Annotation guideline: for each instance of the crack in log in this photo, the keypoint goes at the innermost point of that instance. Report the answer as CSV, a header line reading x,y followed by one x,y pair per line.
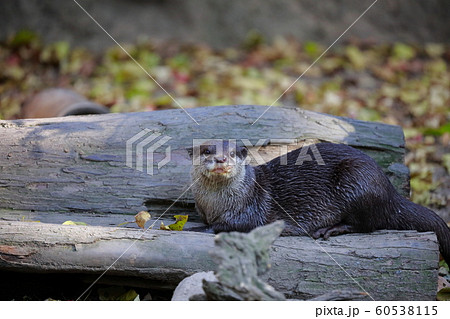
x,y
101,158
164,201
14,251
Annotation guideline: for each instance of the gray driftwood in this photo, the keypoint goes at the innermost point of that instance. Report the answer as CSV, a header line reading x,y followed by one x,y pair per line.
x,y
241,259
53,169
388,265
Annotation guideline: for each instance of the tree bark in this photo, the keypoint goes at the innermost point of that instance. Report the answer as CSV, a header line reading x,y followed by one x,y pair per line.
x,y
70,165
388,265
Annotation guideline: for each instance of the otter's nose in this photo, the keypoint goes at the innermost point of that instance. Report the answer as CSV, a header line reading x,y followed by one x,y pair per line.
x,y
220,159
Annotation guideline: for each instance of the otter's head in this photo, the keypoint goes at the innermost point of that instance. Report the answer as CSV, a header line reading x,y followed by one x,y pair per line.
x,y
218,159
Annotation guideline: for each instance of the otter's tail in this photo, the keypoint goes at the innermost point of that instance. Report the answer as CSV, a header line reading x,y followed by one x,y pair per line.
x,y
416,217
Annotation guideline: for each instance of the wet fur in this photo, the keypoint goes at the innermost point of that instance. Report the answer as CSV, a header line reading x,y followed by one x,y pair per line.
x,y
350,190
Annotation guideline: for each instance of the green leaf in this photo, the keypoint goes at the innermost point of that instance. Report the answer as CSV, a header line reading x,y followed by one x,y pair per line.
x,y
148,59
253,40
163,100
442,263
312,49
140,88
438,131
180,62
24,37
61,49
403,52
443,294
356,57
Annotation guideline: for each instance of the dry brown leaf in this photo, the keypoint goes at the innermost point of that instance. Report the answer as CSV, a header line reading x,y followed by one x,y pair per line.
x,y
141,218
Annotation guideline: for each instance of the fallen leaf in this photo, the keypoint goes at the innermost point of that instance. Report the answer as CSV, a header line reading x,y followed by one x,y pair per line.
x,y
23,37
403,51
179,223
443,294
163,227
69,222
141,218
356,57
312,49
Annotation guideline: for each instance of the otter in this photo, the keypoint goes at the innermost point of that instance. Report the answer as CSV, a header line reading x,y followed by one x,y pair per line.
x,y
349,193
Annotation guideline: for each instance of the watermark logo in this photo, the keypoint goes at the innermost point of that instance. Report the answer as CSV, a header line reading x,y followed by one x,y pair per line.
x,y
308,150
305,157
144,153
217,148
143,146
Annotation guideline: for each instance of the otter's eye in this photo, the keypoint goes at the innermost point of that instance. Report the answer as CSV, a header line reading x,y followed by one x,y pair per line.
x,y
232,154
207,152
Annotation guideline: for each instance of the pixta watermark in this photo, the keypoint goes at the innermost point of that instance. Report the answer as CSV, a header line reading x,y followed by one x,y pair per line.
x,y
142,147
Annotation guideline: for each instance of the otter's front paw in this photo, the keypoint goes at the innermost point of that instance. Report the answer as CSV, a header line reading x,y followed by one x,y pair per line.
x,y
335,230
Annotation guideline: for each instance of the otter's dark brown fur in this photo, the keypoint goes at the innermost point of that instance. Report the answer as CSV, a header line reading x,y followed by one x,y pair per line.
x,y
349,193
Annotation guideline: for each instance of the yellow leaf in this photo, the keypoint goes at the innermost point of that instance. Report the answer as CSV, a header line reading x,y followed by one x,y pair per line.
x,y
69,222
179,223
141,218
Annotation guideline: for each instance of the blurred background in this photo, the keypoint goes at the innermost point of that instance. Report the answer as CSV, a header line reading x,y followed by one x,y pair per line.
x,y
392,66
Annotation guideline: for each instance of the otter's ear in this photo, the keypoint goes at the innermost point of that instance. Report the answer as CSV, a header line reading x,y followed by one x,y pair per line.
x,y
242,152
190,151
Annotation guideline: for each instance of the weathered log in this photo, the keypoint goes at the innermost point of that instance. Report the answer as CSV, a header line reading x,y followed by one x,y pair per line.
x,y
389,265
78,164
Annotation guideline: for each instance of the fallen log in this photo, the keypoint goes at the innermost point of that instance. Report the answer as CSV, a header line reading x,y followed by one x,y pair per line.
x,y
78,165
388,265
